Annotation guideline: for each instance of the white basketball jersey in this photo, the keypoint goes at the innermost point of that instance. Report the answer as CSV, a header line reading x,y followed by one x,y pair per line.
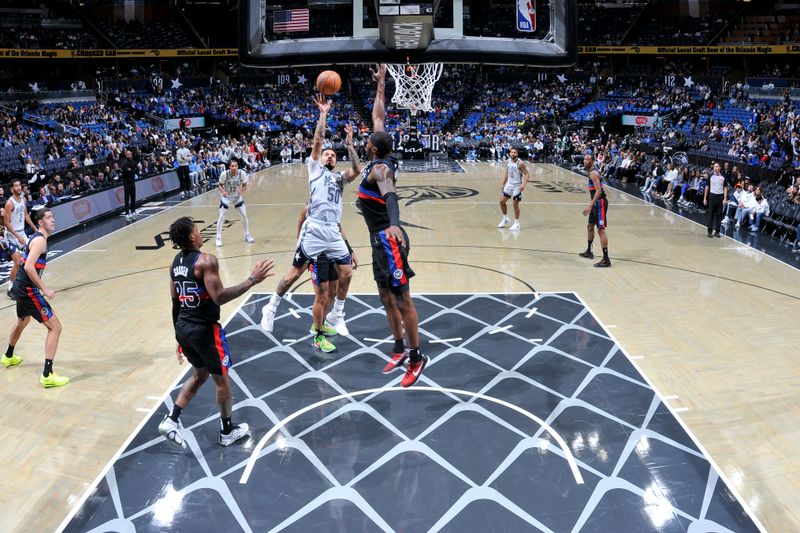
x,y
514,175
18,215
233,182
325,188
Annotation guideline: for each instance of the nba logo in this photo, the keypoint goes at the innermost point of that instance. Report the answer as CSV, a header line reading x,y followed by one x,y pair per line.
x,y
526,15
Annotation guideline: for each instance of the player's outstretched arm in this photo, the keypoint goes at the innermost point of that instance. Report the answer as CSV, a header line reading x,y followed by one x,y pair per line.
x,y
221,295
355,163
319,132
379,105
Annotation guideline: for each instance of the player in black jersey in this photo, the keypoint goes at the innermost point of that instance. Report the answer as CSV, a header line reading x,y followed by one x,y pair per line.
x,y
377,199
30,290
597,211
197,294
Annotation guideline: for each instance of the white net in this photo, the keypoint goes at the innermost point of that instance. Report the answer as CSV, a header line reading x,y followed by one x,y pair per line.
x,y
414,85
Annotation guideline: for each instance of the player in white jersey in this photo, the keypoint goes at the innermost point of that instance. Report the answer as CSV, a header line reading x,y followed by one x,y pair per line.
x,y
16,215
232,185
320,233
515,178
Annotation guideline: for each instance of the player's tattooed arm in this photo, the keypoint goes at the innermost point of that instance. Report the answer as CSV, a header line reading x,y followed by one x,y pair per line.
x,y
355,163
383,177
523,169
324,107
209,267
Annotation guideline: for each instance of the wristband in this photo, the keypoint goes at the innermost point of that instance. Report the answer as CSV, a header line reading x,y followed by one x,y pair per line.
x,y
392,208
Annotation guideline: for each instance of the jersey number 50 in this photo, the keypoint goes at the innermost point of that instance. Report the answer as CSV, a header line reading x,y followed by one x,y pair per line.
x,y
334,195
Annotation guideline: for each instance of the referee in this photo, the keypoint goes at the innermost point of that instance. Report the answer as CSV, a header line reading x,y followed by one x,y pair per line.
x,y
128,167
716,196
184,157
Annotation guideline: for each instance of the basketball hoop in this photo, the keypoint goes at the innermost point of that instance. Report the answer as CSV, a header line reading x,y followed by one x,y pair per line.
x,y
414,85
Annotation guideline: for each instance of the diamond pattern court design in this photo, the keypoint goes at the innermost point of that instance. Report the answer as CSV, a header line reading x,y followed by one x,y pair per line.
x,y
424,460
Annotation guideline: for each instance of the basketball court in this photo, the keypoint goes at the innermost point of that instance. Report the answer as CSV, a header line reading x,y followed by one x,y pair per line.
x,y
613,381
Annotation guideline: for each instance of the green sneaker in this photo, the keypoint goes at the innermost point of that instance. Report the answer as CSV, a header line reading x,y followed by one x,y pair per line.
x,y
323,344
53,380
327,329
10,361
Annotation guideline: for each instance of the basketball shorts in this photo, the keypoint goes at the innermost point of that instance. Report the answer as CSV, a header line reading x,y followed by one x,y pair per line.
x,y
30,302
20,244
8,248
323,270
512,192
204,346
226,202
597,216
390,261
318,238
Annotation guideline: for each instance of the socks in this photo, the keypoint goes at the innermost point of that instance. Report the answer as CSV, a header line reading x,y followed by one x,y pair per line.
x,y
399,346
275,300
605,254
414,356
338,306
220,222
226,424
10,351
48,367
176,412
245,222
589,247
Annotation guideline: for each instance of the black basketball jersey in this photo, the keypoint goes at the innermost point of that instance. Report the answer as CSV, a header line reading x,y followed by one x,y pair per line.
x,y
370,199
196,304
24,282
592,189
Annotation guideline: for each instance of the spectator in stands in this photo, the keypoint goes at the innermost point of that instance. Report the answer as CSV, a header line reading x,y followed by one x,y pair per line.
x,y
734,203
747,203
761,209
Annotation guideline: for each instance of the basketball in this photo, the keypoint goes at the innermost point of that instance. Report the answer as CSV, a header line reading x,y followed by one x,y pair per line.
x,y
329,82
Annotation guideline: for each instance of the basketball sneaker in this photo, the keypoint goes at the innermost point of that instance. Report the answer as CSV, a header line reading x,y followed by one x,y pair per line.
x,y
603,263
238,432
321,342
169,428
219,241
504,222
326,329
337,321
515,226
10,294
10,361
249,239
397,361
268,317
587,254
414,371
53,380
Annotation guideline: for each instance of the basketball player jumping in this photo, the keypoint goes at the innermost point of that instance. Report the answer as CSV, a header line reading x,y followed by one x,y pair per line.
x,y
597,210
321,231
377,198
515,178
16,215
232,185
30,290
197,294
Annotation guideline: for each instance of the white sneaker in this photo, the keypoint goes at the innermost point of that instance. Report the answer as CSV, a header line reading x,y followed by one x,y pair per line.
x,y
337,321
249,238
515,226
726,220
169,428
503,222
738,225
238,432
219,241
268,317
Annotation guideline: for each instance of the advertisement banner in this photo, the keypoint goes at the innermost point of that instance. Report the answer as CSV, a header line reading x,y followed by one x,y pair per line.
x,y
729,49
17,53
189,122
526,15
79,210
639,120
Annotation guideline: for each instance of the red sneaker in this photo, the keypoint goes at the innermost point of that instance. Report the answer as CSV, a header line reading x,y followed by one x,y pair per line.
x,y
414,371
397,361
